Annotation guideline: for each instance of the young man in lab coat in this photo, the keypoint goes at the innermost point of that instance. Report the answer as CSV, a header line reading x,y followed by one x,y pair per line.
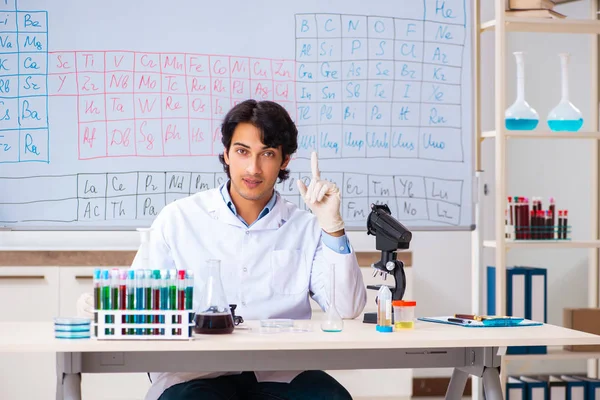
x,y
273,254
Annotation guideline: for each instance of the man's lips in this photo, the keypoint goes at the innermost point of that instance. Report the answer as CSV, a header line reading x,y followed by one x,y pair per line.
x,y
252,182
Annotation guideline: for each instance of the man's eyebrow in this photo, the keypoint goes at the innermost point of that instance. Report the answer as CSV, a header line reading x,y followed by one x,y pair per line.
x,y
265,147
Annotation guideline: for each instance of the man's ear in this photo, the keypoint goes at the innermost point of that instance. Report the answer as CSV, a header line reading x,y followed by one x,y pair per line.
x,y
226,156
285,163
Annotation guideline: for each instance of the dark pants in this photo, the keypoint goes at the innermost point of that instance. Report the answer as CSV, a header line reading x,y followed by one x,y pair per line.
x,y
313,385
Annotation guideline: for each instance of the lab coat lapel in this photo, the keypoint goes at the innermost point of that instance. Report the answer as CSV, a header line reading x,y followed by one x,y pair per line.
x,y
218,210
278,216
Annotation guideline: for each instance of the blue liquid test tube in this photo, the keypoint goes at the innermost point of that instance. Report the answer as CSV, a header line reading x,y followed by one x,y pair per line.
x,y
97,281
139,297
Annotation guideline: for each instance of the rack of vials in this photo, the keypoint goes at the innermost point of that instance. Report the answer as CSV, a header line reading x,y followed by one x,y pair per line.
x,y
143,304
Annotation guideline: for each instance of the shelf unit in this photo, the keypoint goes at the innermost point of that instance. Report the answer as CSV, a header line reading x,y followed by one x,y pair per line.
x,y
499,27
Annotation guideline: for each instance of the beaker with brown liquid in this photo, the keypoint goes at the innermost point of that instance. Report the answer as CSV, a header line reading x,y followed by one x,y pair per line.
x,y
213,315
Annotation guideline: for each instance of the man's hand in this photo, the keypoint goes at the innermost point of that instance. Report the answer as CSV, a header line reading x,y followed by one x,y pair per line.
x,y
323,199
85,306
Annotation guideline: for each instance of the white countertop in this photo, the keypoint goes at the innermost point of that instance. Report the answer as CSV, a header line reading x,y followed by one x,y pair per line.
x,y
39,337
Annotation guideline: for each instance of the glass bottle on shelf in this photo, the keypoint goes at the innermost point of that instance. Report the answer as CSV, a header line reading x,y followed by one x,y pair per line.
x,y
565,117
520,115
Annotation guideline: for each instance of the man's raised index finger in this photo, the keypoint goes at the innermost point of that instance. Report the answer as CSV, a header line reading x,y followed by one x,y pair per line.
x,y
314,166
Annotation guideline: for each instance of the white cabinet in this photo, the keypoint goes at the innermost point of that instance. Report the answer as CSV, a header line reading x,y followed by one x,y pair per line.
x,y
28,294
75,281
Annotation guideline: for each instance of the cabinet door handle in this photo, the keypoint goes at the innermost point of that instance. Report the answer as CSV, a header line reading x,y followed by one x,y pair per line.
x,y
78,277
23,277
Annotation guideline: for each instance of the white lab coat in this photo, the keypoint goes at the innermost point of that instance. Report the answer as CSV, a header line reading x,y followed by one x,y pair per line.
x,y
268,269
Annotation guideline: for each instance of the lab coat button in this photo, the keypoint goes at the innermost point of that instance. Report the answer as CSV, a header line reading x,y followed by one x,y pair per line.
x,y
247,232
243,303
245,269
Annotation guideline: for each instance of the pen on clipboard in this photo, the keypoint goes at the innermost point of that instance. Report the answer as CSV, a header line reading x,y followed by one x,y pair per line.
x,y
459,320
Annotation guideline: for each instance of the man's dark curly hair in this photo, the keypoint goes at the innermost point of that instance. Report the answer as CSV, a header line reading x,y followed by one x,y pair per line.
x,y
273,121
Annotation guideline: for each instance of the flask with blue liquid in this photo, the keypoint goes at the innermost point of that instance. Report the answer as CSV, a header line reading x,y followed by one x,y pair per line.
x,y
565,117
520,116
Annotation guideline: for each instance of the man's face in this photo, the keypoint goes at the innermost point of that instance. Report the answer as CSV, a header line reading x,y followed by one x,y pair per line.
x,y
252,165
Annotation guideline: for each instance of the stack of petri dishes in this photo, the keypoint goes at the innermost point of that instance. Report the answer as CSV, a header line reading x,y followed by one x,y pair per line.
x,y
72,328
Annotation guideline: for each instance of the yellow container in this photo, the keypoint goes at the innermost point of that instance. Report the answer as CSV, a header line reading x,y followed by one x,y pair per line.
x,y
404,314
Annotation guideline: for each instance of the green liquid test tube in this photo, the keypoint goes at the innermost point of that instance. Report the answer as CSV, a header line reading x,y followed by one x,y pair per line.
x,y
173,294
114,294
106,297
148,298
130,298
164,295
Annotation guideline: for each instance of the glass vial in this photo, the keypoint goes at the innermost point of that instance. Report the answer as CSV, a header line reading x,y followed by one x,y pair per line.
x,y
213,315
333,321
565,117
520,115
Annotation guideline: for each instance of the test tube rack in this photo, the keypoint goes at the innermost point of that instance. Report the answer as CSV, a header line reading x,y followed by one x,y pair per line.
x,y
116,329
554,233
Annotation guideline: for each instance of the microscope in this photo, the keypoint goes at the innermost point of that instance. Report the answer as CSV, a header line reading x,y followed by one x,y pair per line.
x,y
390,235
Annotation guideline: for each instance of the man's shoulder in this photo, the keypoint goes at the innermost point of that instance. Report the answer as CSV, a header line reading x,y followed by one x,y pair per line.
x,y
196,201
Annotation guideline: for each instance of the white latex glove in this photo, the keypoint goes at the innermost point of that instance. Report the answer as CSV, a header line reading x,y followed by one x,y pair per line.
x,y
323,199
85,306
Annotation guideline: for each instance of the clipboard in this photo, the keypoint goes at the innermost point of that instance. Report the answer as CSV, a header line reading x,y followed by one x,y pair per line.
x,y
488,323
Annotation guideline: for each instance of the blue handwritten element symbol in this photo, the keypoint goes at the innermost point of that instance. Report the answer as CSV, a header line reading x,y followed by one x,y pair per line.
x,y
327,144
356,143
434,118
429,142
440,8
29,146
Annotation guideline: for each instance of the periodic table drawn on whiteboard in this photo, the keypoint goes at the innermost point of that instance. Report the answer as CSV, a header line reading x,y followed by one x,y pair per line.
x,y
106,138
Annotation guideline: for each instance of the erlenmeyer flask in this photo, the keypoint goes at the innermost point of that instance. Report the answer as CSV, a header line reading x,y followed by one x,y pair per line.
x,y
332,322
520,116
565,116
213,315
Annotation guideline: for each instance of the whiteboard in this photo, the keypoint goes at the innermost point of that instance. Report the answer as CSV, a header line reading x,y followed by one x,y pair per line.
x,y
110,111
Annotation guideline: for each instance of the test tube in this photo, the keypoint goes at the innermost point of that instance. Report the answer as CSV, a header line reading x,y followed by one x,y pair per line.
x,y
106,297
97,281
130,297
181,286
173,294
189,290
148,297
384,310
139,297
156,297
123,297
164,295
114,294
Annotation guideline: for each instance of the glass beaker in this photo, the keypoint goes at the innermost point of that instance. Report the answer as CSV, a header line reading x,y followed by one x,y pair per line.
x,y
213,315
520,115
333,321
565,116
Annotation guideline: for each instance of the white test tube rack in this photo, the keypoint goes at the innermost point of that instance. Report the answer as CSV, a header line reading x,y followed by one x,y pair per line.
x,y
168,330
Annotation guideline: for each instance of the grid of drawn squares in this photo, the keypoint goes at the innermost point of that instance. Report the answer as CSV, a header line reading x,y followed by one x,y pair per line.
x,y
410,198
142,194
184,105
